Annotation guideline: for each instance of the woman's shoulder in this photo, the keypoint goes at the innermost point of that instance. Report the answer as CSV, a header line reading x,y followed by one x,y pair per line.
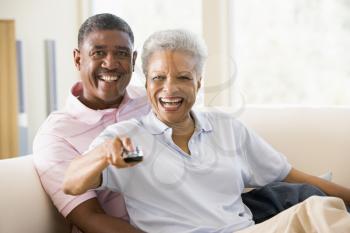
x,y
217,115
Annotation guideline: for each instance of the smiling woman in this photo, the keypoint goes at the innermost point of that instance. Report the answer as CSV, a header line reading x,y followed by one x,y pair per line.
x,y
186,152
173,64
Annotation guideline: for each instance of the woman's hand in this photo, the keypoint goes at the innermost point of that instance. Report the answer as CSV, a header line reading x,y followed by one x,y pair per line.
x,y
85,172
113,150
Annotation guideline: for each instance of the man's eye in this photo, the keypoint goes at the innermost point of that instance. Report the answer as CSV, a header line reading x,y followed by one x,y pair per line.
x,y
123,54
98,54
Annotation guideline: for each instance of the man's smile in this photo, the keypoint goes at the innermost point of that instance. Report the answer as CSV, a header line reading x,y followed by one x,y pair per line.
x,y
108,78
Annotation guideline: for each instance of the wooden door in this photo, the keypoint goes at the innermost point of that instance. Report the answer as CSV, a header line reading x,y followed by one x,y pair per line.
x,y
8,91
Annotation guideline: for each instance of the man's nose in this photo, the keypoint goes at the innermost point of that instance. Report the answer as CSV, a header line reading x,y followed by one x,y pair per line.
x,y
110,62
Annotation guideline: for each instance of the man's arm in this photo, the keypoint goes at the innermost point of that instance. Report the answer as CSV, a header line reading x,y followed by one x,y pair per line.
x,y
332,189
89,217
51,156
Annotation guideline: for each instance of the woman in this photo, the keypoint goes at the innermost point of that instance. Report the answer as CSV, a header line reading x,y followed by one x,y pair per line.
x,y
196,164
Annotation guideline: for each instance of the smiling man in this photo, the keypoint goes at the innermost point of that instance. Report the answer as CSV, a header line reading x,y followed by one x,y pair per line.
x,y
105,59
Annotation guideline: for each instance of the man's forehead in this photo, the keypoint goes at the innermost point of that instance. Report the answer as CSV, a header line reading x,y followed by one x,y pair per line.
x,y
107,38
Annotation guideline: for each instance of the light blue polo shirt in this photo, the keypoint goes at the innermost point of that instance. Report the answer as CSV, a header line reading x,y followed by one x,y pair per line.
x,y
171,191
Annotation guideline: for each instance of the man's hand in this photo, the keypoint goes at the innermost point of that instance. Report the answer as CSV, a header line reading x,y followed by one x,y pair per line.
x,y
330,188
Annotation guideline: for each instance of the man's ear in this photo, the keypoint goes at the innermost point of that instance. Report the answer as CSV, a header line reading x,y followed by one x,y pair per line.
x,y
76,55
134,56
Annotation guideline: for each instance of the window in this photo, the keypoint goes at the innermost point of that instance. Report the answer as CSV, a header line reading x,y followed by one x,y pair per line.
x,y
293,52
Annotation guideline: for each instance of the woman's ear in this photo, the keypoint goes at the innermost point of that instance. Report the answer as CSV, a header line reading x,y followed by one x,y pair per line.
x,y
134,56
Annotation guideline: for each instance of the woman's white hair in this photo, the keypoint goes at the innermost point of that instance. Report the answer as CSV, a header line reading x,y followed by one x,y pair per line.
x,y
176,39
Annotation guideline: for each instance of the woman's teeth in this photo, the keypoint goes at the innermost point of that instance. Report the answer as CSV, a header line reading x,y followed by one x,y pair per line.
x,y
170,101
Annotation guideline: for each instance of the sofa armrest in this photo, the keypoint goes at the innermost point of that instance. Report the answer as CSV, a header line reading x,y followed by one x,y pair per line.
x,y
24,205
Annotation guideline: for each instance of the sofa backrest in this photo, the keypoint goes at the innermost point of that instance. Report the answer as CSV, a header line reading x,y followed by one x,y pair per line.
x,y
315,140
24,205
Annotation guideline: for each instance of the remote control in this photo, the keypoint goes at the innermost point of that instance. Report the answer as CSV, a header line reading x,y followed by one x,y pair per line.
x,y
133,156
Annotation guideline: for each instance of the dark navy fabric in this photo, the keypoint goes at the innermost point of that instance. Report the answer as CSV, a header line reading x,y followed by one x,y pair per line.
x,y
273,198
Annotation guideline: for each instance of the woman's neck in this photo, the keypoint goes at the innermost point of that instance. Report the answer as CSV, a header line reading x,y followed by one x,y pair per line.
x,y
182,132
182,128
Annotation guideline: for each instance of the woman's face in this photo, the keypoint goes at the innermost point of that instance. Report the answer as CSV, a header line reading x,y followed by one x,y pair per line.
x,y
172,85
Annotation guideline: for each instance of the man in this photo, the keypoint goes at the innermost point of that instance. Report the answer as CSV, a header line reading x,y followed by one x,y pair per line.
x,y
105,59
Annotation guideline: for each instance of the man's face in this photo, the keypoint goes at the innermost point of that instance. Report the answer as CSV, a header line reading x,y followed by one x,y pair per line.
x,y
172,85
105,60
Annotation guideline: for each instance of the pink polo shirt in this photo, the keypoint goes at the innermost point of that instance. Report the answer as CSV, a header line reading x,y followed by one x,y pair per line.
x,y
67,134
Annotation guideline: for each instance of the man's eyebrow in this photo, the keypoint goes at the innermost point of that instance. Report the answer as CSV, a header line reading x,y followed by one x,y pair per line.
x,y
123,48
99,47
115,47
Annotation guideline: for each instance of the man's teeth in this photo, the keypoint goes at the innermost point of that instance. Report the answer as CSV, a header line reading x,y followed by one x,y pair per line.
x,y
109,78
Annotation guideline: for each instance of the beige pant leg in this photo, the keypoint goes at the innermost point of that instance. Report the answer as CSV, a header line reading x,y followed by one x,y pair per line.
x,y
314,215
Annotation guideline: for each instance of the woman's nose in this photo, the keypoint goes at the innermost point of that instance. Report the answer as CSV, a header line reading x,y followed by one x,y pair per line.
x,y
170,85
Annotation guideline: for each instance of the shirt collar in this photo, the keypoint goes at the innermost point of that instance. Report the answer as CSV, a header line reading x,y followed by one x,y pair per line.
x,y
201,120
155,126
90,116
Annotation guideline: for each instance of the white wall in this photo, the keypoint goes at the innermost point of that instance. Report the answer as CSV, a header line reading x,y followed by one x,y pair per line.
x,y
36,21
215,32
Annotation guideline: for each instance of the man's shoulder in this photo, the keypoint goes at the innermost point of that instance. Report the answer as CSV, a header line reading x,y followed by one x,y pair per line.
x,y
138,106
61,124
140,101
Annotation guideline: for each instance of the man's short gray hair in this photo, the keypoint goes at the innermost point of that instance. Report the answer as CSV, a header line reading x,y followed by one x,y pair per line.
x,y
177,39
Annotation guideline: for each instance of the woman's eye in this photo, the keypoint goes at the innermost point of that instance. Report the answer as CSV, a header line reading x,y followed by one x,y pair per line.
x,y
158,78
185,78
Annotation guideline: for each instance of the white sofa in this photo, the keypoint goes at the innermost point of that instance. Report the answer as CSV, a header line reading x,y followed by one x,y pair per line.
x,y
315,140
